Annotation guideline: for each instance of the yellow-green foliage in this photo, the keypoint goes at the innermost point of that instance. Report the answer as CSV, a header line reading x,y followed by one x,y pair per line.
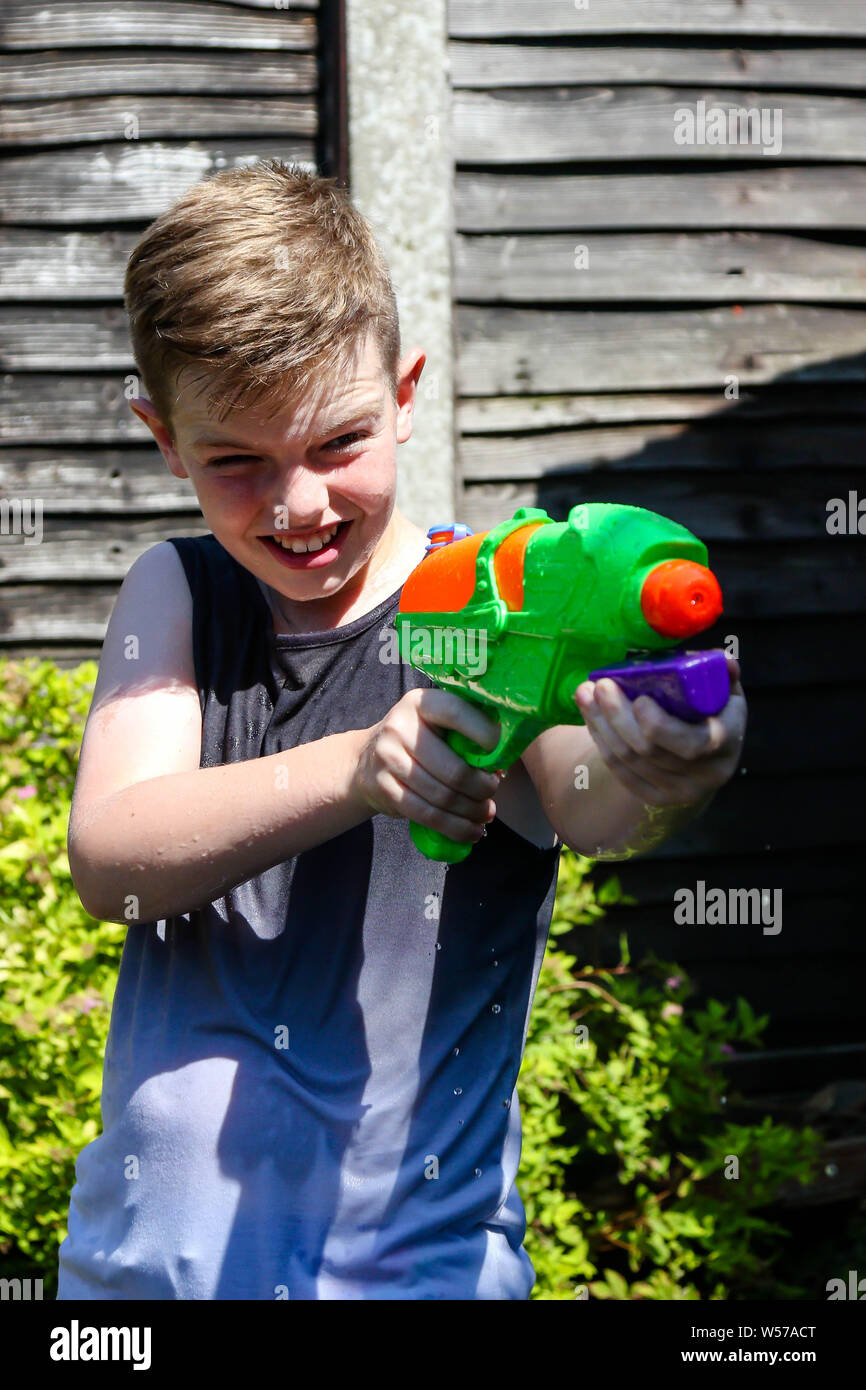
x,y
57,967
625,1147
639,1097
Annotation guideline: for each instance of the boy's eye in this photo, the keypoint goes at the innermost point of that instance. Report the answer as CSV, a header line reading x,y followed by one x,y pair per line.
x,y
340,440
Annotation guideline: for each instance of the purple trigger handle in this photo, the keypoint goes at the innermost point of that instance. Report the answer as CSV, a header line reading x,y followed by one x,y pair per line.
x,y
689,685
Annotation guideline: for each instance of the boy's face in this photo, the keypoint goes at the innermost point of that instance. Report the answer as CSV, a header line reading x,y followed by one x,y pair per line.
x,y
328,460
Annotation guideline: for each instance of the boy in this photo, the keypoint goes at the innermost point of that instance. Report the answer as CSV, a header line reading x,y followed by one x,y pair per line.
x,y
309,1086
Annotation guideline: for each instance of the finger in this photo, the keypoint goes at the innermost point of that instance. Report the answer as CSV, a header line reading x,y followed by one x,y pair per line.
x,y
618,730
441,708
684,740
433,754
435,772
415,808
666,791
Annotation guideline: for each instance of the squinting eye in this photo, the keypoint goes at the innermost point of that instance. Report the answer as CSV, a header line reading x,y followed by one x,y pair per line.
x,y
357,434
234,458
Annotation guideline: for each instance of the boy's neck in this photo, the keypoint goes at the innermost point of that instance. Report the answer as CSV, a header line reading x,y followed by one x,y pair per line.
x,y
401,548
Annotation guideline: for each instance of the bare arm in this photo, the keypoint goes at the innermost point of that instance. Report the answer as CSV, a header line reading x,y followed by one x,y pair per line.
x,y
152,834
172,843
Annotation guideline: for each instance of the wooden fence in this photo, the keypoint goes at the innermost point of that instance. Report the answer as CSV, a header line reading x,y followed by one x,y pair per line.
x,y
682,327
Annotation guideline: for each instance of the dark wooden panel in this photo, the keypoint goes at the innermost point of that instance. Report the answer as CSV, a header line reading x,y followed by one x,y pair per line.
x,y
93,71
650,880
810,928
728,267
127,181
503,351
85,119
776,812
154,24
509,414
787,197
619,124
726,445
481,64
791,18
718,508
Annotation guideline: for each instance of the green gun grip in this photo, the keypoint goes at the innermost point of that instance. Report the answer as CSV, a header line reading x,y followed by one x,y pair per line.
x,y
434,845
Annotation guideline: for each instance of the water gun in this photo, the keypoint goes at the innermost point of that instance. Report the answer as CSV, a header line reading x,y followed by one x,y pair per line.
x,y
515,618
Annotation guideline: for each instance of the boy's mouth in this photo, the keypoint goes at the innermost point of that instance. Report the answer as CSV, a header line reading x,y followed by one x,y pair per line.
x,y
309,559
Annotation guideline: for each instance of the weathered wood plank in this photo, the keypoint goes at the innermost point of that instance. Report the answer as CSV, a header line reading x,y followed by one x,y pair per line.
x,y
482,19
77,408
29,24
729,267
66,409
599,456
47,339
42,613
484,65
33,76
508,350
149,118
511,414
94,553
617,124
95,481
127,181
734,507
514,351
714,266
37,264
788,197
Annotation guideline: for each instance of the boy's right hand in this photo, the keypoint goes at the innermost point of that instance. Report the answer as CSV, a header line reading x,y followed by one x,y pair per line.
x,y
407,769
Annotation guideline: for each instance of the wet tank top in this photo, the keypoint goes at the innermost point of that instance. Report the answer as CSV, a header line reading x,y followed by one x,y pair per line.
x,y
309,1084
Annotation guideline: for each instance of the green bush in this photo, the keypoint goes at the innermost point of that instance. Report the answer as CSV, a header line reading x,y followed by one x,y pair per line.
x,y
628,1114
630,1120
58,968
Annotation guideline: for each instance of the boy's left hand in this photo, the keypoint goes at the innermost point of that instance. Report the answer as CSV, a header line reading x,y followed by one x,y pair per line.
x,y
660,759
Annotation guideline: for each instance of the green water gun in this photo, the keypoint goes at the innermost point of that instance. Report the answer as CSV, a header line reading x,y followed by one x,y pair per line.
x,y
514,619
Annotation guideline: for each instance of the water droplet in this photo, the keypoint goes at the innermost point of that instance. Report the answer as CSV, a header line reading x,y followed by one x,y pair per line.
x,y
438,946
495,963
507,1104
458,1090
456,1052
459,1122
723,1100
495,1009
478,1172
831,1170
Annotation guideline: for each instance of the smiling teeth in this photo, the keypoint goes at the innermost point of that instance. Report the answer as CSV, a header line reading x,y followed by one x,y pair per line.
x,y
302,547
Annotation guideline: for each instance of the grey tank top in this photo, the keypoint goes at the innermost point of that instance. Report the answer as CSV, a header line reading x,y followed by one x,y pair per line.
x,y
309,1084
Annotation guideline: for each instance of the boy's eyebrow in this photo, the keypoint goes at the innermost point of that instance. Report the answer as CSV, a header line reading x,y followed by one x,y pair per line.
x,y
365,411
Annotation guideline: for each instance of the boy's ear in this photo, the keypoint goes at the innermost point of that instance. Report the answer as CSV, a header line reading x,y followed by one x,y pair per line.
x,y
143,407
409,371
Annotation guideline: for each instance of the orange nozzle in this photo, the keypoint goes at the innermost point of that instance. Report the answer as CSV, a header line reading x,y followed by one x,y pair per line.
x,y
680,598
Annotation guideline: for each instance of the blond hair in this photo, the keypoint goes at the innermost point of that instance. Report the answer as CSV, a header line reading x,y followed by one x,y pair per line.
x,y
264,277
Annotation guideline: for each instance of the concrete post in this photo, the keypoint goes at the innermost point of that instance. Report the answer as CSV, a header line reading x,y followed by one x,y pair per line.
x,y
401,179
